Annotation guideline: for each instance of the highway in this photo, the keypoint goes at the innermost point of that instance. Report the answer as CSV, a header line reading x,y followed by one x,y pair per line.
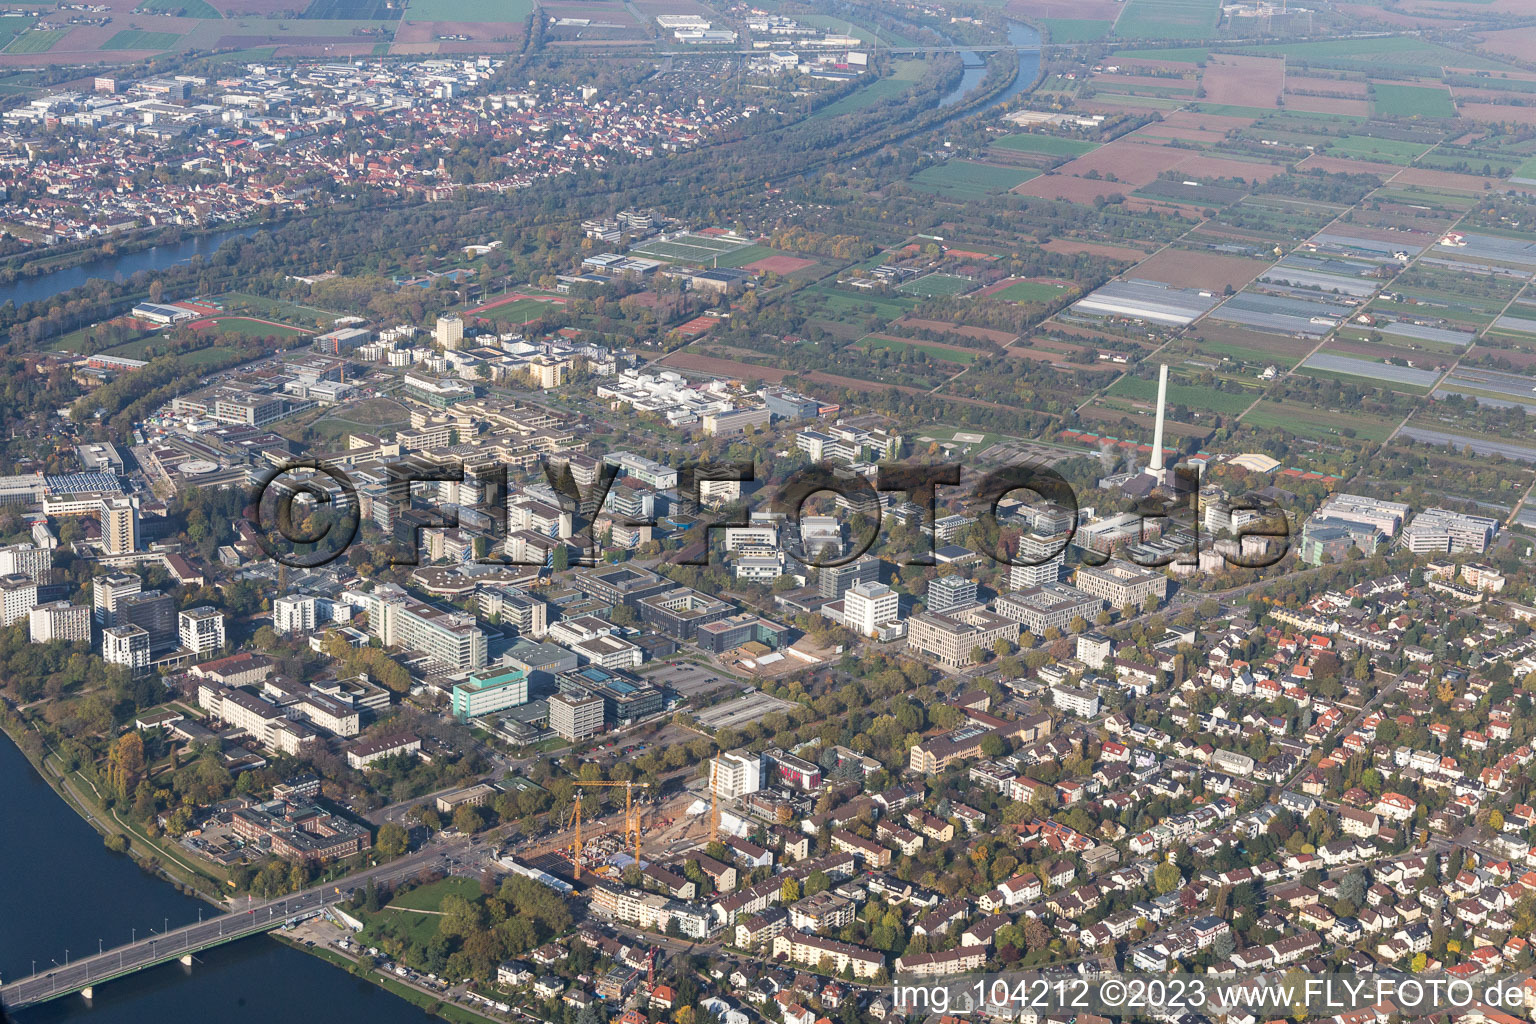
x,y
247,920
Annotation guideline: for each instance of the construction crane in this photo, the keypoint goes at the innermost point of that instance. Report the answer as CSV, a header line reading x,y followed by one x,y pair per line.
x,y
631,818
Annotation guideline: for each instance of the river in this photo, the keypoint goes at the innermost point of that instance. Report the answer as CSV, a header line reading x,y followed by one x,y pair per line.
x,y
110,268
64,890
1020,35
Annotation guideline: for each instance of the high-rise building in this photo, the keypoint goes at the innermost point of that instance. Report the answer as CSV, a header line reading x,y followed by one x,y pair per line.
x,y
576,716
108,591
295,613
127,646
59,620
736,773
28,560
201,629
119,524
450,331
946,593
833,581
449,638
18,596
155,613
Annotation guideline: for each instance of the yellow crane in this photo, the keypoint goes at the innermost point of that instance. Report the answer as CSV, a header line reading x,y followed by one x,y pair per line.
x,y
631,818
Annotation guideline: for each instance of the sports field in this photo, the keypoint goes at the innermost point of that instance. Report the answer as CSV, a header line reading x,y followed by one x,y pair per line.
x,y
937,284
690,248
1029,291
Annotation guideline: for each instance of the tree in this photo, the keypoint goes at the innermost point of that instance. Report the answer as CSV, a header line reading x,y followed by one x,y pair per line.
x,y
790,891
392,841
125,764
1166,877
468,819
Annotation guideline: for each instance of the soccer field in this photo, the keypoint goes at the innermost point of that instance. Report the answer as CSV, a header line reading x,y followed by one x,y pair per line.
x,y
689,248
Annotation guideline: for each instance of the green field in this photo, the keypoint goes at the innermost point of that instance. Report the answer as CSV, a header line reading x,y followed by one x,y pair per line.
x,y
844,27
947,355
1307,421
1050,145
845,303
937,284
689,249
1410,101
1168,19
1365,147
965,179
430,897
469,10
516,311
11,27
139,39
1401,53
1077,30
187,8
744,255
1176,55
36,40
250,328
1527,170
1029,291
907,72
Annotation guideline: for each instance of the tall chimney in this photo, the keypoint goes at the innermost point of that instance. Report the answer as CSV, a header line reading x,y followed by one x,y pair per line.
x,y
1157,433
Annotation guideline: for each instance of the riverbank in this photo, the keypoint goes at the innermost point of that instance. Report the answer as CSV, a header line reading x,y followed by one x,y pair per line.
x,y
153,856
431,1002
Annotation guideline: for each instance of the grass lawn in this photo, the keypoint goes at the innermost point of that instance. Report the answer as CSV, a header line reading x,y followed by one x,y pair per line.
x,y
966,179
1050,145
1077,30
1526,170
468,10
430,897
36,40
1168,19
844,303
139,39
189,8
1410,101
842,26
937,284
907,72
1029,291
516,311
948,355
746,254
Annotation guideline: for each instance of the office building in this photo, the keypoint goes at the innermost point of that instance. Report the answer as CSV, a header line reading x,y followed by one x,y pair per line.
x,y
1386,516
485,693
1045,556
108,591
1441,531
833,581
1048,606
950,593
365,754
119,524
450,639
127,646
867,606
201,629
576,716
59,620
1121,583
736,773
953,639
266,723
680,612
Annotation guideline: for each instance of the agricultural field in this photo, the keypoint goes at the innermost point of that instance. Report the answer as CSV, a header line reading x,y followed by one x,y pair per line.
x,y
900,80
945,353
36,40
1195,396
1168,19
1055,145
966,179
1077,30
469,10
1366,147
11,27
139,39
1402,54
1410,101
1322,424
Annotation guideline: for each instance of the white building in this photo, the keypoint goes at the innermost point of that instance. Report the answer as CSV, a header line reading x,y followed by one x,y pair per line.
x,y
201,629
868,605
18,596
127,646
59,620
735,774
449,332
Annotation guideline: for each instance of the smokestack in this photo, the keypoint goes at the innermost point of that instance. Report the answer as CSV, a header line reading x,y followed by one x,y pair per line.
x,y
1157,433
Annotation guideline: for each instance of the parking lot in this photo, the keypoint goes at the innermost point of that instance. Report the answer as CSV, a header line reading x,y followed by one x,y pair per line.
x,y
746,708
689,680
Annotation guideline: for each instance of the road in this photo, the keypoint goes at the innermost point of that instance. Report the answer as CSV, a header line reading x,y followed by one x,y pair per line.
x,y
257,917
